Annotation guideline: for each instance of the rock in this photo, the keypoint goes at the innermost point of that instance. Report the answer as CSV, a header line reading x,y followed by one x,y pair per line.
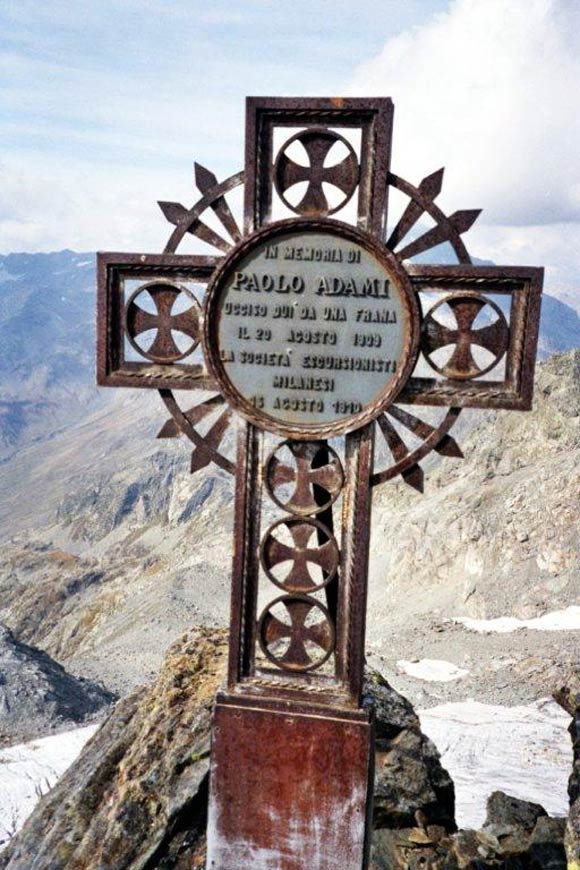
x,y
411,849
37,695
136,798
506,813
409,777
547,850
569,698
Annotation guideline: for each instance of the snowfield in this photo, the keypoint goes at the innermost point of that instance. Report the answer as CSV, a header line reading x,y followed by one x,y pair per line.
x,y
432,670
558,620
29,770
525,751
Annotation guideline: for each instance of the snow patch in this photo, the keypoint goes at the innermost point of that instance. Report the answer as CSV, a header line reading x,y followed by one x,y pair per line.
x,y
558,620
433,670
525,751
29,770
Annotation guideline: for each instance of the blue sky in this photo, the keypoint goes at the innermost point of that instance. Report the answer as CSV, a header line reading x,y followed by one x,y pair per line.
x,y
150,83
105,105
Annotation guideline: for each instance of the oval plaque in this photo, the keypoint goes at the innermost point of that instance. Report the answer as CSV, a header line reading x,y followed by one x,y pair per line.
x,y
311,328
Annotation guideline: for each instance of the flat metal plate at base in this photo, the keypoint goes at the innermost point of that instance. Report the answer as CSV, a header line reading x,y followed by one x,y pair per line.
x,y
288,791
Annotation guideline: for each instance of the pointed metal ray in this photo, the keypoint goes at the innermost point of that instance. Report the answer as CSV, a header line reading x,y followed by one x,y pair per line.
x,y
174,212
461,221
448,446
170,428
201,456
431,187
205,180
413,476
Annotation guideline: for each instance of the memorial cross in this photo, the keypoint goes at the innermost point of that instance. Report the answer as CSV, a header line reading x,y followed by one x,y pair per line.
x,y
318,333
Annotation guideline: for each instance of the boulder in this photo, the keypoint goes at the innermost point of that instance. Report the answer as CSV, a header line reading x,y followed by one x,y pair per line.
x,y
136,797
569,698
409,777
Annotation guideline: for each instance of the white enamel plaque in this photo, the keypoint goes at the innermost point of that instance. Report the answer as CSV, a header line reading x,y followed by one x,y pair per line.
x,y
312,328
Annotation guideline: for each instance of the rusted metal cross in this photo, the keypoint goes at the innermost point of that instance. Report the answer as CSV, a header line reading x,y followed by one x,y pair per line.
x,y
311,328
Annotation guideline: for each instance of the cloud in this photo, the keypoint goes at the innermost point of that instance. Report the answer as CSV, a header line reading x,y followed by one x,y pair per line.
x,y
489,89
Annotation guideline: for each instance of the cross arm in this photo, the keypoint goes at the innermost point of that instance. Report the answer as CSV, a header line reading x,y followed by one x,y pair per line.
x,y
491,312
145,304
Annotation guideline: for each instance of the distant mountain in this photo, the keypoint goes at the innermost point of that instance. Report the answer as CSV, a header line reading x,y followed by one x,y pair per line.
x,y
47,316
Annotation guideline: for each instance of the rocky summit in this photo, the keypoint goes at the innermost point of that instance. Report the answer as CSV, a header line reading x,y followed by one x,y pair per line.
x,y
136,798
38,696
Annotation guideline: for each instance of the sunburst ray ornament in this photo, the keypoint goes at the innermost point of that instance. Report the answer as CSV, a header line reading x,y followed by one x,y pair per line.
x,y
421,201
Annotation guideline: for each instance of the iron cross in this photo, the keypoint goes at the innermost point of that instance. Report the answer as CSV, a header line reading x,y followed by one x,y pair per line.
x,y
314,322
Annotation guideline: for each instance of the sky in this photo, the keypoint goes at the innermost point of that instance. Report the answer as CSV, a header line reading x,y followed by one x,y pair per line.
x,y
104,106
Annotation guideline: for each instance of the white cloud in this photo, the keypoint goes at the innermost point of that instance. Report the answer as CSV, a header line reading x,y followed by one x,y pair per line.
x,y
490,90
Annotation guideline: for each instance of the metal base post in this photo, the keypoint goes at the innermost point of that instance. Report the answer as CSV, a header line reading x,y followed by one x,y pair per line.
x,y
289,790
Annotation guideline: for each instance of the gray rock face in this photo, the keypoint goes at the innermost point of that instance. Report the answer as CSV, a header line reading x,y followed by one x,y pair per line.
x,y
507,813
37,695
409,779
569,698
136,799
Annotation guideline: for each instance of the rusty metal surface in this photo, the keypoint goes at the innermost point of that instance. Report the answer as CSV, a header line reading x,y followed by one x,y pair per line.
x,y
311,545
373,117
292,751
289,791
318,143
163,323
464,335
516,340
120,319
306,482
296,633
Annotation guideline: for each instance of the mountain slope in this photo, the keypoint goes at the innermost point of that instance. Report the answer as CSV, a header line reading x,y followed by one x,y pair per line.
x,y
37,695
132,549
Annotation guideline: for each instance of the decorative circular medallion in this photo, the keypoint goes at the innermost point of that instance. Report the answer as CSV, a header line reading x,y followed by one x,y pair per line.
x,y
311,328
296,633
303,477
162,322
319,145
465,308
299,555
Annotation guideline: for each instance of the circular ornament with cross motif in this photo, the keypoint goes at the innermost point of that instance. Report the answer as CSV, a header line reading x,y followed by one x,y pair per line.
x,y
303,477
296,633
163,323
311,328
321,173
464,335
299,554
